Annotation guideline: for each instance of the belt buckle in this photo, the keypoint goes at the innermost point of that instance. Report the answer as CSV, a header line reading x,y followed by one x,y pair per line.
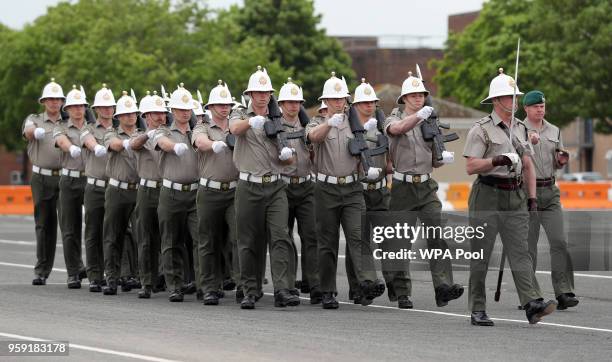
x,y
185,187
295,179
341,180
267,178
55,172
224,186
131,186
371,186
416,178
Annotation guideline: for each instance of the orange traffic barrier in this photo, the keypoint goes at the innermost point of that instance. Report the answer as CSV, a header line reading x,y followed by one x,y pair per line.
x,y
16,200
585,195
457,194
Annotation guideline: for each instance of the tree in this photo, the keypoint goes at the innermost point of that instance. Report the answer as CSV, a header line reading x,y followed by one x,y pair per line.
x,y
565,47
127,44
290,31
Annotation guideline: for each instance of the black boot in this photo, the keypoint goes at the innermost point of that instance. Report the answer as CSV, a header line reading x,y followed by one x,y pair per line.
x,y
329,301
566,300
95,287
404,302
284,298
211,298
74,282
480,318
248,302
110,288
39,280
371,290
145,293
176,296
537,309
316,296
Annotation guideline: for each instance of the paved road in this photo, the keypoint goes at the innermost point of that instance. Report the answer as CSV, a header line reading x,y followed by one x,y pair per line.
x,y
124,328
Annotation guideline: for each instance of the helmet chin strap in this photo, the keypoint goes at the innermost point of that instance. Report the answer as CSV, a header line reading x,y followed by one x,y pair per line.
x,y
504,108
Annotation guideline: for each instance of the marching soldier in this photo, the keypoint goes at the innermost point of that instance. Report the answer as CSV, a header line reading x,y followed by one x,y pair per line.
x,y
215,197
375,191
414,190
177,198
322,111
72,184
548,157
499,154
339,197
153,109
261,201
300,190
92,138
38,131
120,196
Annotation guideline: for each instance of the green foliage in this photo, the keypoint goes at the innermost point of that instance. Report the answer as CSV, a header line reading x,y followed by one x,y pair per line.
x,y
141,44
565,52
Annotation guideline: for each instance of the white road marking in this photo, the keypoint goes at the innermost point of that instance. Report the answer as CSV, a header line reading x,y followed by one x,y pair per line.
x,y
30,266
89,348
29,243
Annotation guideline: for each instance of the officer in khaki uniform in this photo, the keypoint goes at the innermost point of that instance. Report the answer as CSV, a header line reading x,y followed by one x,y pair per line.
x,y
300,190
38,130
72,184
215,199
414,190
92,139
178,167
375,191
261,201
548,157
153,109
497,201
120,197
339,197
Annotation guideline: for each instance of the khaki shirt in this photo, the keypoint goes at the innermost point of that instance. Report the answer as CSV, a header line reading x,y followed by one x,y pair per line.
x,y
215,166
544,153
94,166
254,152
73,133
43,152
332,156
487,138
409,152
181,169
147,161
121,165
302,166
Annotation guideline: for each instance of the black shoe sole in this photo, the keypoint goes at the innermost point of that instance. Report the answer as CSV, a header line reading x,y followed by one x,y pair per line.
x,y
38,282
211,302
564,306
74,286
109,292
330,306
175,300
290,303
95,289
483,324
538,316
455,293
406,306
144,296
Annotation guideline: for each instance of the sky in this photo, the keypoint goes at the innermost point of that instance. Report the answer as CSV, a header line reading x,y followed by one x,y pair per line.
x,y
403,23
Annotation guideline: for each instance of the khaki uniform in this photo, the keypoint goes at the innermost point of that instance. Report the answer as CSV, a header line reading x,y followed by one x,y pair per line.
x,y
339,204
216,213
147,222
503,211
95,170
120,200
300,196
262,210
550,214
177,208
45,190
413,157
72,189
377,197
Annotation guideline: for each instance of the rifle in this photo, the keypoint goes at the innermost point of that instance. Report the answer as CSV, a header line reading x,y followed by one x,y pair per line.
x,y
274,127
430,128
89,115
358,145
140,122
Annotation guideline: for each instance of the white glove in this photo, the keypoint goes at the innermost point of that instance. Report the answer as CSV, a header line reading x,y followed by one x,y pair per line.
x,y
218,146
151,133
257,122
448,157
424,112
513,157
286,153
39,133
126,145
99,151
371,124
335,120
373,173
180,149
75,151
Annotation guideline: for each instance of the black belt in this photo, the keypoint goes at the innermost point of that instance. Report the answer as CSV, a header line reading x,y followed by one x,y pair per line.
x,y
501,183
545,182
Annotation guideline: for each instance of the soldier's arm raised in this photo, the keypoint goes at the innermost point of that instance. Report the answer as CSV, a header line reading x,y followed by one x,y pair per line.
x,y
28,132
203,143
165,144
137,143
63,142
90,142
404,125
239,127
115,144
474,165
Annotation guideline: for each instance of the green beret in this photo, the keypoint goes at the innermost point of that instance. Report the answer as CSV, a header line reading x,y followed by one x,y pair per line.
x,y
533,97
